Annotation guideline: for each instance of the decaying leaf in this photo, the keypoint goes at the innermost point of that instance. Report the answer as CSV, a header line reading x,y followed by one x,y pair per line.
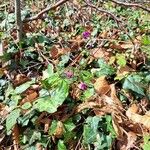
x,y
15,136
29,98
114,96
136,118
59,129
100,53
101,85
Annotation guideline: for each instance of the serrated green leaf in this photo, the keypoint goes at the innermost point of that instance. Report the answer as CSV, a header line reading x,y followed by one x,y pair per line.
x,y
12,119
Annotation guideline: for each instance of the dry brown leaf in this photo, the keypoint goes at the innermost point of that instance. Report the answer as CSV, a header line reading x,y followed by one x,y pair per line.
x,y
126,45
29,98
20,79
56,51
100,53
124,70
121,46
87,105
117,127
15,137
127,141
59,130
136,118
101,85
131,140
114,96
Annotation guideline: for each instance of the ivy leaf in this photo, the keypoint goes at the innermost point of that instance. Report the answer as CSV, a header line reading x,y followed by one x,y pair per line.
x,y
61,145
121,60
105,69
69,125
51,103
133,83
35,137
20,89
48,72
12,119
90,129
26,105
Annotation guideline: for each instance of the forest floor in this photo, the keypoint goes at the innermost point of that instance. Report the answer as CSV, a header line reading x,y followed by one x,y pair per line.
x,y
79,79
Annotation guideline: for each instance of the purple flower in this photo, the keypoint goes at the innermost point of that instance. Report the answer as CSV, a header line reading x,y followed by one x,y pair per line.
x,y
83,86
69,74
86,34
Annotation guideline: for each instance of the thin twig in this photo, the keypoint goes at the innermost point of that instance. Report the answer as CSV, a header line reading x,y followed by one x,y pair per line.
x,y
104,11
38,16
131,5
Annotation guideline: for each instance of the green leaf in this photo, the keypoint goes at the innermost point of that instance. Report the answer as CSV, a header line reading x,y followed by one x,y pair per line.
x,y
12,119
61,145
48,72
20,89
51,103
146,144
88,93
69,125
35,137
53,127
90,129
133,83
26,105
121,60
105,69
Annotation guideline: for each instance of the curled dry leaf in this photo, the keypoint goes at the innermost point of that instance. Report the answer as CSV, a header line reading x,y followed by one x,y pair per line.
x,y
59,130
136,118
101,86
118,129
87,105
114,96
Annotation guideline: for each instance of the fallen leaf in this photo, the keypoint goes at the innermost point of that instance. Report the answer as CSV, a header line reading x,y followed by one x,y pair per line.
x,y
100,53
136,118
101,85
20,79
59,129
121,72
29,98
114,96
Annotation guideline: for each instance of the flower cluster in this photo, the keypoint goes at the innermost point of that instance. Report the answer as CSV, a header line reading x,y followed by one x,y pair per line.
x,y
86,34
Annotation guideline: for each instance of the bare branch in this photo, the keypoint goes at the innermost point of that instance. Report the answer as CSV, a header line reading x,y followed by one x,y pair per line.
x,y
18,19
38,16
104,11
131,5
